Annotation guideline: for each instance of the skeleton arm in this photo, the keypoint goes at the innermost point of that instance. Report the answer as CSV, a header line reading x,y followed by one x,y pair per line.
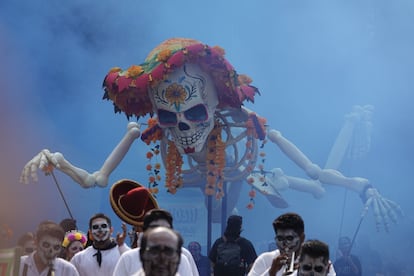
x,y
384,209
46,161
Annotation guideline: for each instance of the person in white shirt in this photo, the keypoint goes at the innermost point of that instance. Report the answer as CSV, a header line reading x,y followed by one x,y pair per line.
x,y
44,261
290,234
129,262
160,252
100,258
313,260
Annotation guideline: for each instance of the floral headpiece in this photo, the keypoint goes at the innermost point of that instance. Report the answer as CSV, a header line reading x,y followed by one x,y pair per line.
x,y
128,89
74,236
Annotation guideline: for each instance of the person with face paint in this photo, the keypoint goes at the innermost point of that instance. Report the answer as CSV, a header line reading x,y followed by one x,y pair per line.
x,y
347,264
44,260
100,258
290,234
74,242
313,260
160,252
129,262
27,243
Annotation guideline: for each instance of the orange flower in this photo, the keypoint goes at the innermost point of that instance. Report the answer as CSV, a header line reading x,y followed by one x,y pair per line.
x,y
164,55
157,166
115,69
154,190
250,206
252,193
244,79
219,50
151,179
149,155
149,167
134,71
262,154
158,177
48,169
250,180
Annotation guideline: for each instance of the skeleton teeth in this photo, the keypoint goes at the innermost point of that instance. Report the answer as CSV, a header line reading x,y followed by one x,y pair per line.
x,y
189,140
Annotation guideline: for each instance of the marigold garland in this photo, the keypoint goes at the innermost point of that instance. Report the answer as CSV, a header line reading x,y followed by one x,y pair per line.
x,y
153,170
173,179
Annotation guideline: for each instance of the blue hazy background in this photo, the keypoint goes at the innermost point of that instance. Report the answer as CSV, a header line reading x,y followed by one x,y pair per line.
x,y
311,60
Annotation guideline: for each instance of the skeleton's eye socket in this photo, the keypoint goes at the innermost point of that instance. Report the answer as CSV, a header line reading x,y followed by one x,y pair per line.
x,y
197,113
167,117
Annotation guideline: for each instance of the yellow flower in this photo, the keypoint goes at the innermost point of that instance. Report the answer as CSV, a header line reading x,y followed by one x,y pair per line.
x,y
134,71
219,49
175,94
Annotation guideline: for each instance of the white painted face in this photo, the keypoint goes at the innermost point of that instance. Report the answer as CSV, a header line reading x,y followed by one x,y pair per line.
x,y
100,230
73,248
185,104
313,266
288,241
48,248
161,257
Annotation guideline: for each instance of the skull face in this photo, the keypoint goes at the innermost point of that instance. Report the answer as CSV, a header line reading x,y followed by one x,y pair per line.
x,y
100,230
48,248
185,104
313,266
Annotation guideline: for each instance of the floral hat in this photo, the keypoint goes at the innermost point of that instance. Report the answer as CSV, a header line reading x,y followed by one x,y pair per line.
x,y
128,89
72,236
131,201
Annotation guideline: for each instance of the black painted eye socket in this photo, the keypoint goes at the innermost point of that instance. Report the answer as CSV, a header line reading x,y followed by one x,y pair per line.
x,y
96,226
197,113
317,268
157,249
285,238
167,117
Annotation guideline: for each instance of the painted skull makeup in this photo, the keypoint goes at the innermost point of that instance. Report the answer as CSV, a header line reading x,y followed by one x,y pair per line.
x,y
313,266
287,240
185,104
48,248
100,229
161,254
75,247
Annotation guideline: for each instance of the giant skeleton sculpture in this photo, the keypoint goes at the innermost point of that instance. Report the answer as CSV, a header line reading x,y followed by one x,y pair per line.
x,y
197,98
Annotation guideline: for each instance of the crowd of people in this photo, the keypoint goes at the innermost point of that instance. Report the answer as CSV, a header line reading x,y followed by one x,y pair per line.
x,y
63,249
157,249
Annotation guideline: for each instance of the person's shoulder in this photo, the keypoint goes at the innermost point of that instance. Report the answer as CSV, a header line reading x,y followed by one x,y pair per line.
x,y
269,254
131,253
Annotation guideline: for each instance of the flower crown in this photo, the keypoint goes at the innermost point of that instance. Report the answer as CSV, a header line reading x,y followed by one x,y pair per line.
x,y
74,236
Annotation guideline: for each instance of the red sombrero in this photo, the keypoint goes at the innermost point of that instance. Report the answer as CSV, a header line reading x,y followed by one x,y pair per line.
x,y
131,201
128,89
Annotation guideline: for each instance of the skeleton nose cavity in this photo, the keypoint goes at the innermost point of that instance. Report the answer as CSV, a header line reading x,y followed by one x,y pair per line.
x,y
183,126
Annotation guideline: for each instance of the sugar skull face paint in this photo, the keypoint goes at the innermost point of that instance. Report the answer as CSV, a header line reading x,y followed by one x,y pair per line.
x,y
313,266
288,241
48,248
73,248
100,229
185,104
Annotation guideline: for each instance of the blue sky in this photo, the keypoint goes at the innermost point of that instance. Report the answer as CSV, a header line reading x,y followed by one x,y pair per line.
x,y
311,60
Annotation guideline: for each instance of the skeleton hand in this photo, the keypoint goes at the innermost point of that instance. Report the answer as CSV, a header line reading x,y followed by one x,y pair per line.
x,y
384,209
45,161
